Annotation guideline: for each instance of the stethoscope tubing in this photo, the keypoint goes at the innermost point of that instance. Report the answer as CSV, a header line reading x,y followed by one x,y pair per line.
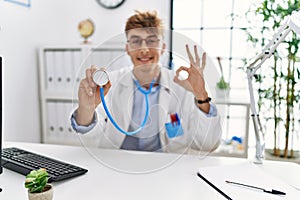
x,y
145,92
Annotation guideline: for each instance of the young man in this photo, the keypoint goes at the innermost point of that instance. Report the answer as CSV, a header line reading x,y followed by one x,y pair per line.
x,y
197,124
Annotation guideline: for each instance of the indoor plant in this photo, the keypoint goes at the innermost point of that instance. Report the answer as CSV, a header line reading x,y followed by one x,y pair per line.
x,y
278,96
222,87
37,184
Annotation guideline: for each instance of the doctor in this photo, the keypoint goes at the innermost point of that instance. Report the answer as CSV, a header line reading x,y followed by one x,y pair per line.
x,y
197,123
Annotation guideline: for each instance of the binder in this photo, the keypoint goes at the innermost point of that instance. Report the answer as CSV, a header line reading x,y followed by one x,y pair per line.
x,y
61,115
59,69
68,112
68,70
52,127
50,65
77,61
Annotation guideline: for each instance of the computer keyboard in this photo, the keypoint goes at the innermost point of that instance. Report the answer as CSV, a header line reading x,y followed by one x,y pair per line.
x,y
23,162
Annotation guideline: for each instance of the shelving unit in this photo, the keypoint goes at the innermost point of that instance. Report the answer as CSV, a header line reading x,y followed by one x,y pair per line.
x,y
235,115
60,70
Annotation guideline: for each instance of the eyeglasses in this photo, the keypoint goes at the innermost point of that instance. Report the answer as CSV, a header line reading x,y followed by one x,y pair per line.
x,y
135,42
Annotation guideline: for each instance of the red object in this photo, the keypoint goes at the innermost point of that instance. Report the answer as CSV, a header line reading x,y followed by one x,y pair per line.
x,y
173,118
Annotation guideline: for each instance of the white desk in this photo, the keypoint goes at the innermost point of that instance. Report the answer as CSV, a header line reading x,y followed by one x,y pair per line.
x,y
175,181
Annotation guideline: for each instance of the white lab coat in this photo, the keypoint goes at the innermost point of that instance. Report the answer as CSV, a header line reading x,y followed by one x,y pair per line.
x,y
200,132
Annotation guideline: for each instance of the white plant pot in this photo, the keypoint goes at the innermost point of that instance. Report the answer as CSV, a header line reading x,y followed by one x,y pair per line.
x,y
222,93
46,195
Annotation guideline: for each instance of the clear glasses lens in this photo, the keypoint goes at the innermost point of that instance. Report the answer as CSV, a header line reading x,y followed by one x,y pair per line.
x,y
136,42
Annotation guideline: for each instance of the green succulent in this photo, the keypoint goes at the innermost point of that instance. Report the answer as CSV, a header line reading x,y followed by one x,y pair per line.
x,y
222,84
36,180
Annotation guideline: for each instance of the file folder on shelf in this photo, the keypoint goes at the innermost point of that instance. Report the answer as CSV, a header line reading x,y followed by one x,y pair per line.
x,y
52,125
59,69
49,65
68,70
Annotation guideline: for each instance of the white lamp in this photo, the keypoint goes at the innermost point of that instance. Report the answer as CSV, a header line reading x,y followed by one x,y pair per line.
x,y
291,23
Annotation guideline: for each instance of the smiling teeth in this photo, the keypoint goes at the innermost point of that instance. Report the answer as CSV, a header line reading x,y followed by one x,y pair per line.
x,y
144,59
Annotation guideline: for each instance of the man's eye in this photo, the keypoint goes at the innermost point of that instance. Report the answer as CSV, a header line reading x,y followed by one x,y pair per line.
x,y
151,40
135,41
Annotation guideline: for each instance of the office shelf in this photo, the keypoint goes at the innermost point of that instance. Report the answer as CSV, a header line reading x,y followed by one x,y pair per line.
x,y
235,115
61,68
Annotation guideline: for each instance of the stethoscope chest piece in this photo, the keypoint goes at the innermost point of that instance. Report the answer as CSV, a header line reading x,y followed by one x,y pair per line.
x,y
100,77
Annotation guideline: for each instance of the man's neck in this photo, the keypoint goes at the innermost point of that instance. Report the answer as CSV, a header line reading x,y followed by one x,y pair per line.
x,y
145,77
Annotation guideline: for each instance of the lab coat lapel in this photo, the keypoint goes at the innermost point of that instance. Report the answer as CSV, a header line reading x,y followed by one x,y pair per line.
x,y
164,103
126,96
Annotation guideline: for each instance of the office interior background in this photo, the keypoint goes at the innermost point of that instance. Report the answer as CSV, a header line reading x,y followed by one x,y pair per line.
x,y
213,24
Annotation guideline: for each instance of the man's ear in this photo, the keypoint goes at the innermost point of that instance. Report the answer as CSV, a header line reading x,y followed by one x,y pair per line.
x,y
126,48
163,49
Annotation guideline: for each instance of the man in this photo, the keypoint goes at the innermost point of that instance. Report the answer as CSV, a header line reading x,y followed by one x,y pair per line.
x,y
196,125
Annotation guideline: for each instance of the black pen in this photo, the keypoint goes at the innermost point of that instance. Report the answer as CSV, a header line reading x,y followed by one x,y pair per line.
x,y
258,188
213,186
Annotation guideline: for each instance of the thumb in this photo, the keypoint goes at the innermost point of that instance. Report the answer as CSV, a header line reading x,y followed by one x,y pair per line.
x,y
176,79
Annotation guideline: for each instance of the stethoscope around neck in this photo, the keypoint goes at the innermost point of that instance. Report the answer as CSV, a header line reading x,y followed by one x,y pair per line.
x,y
101,78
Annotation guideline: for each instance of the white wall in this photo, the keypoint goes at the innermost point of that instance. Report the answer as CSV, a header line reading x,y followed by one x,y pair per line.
x,y
49,22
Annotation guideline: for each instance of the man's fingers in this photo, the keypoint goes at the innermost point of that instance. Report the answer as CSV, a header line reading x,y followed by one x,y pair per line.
x,y
197,56
176,79
182,68
190,55
89,77
86,87
203,61
103,68
94,68
107,86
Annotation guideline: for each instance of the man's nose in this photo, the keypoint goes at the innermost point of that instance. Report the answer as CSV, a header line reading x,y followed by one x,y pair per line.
x,y
144,44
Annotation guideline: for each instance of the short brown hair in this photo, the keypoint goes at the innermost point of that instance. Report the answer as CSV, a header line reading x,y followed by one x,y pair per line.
x,y
145,20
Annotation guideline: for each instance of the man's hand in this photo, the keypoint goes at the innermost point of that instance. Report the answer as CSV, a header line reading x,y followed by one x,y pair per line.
x,y
89,97
195,82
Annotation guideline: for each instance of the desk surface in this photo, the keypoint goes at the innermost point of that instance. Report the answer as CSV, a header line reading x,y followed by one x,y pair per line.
x,y
117,174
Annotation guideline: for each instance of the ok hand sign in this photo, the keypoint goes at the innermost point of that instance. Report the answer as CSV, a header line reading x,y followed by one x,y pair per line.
x,y
195,82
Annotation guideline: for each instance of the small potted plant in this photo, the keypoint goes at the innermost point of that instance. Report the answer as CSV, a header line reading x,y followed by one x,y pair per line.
x,y
38,187
222,87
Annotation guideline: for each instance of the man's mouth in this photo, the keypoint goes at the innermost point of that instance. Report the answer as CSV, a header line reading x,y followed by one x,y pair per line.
x,y
145,60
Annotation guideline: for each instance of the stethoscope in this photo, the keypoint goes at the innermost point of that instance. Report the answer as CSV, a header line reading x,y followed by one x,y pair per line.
x,y
101,78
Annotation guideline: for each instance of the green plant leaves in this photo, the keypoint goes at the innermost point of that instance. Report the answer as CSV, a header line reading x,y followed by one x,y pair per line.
x,y
36,180
222,84
277,91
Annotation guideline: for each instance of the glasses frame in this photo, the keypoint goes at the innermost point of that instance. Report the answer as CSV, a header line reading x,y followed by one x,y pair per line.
x,y
140,44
